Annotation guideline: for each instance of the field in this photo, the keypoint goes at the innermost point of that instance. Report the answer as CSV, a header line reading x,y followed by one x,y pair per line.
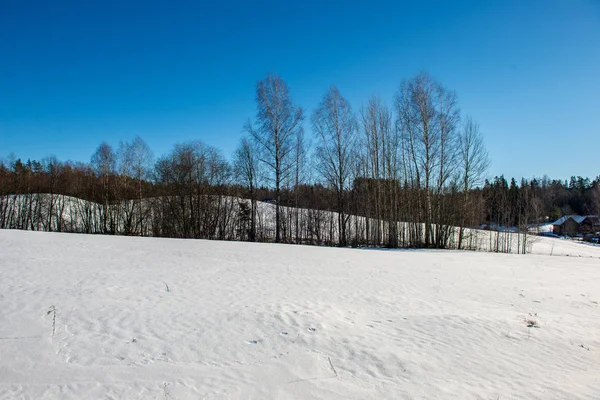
x,y
145,318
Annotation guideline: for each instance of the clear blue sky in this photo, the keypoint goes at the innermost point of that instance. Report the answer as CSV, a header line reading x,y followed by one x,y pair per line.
x,y
75,73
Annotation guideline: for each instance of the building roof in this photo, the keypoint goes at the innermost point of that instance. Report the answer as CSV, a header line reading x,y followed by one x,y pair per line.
x,y
577,218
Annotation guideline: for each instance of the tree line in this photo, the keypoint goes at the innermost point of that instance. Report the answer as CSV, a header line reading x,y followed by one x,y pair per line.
x,y
539,200
410,173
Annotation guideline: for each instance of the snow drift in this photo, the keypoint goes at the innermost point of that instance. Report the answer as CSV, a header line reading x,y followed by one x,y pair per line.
x,y
148,318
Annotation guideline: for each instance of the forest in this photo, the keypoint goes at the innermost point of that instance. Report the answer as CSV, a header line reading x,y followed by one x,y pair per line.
x,y
411,173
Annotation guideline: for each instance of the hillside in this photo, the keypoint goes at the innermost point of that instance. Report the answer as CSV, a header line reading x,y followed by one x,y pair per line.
x,y
223,218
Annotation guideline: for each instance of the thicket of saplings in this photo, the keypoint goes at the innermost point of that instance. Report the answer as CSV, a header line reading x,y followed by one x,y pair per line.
x,y
406,175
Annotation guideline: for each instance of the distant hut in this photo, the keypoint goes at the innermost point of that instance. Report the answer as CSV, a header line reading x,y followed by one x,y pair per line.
x,y
567,225
576,224
590,224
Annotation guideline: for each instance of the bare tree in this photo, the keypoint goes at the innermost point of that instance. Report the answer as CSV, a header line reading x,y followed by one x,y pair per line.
x,y
278,123
380,148
473,163
300,158
124,207
473,156
53,168
447,123
428,118
141,161
335,129
104,162
192,176
247,171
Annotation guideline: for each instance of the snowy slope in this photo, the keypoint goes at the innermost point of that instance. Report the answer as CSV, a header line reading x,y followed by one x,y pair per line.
x,y
263,321
44,212
564,247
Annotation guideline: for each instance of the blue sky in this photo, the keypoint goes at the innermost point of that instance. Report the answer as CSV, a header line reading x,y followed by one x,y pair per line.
x,y
76,73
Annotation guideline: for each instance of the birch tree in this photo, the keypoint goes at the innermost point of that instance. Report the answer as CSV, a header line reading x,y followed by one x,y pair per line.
x,y
473,163
335,129
247,171
142,161
278,122
104,162
428,117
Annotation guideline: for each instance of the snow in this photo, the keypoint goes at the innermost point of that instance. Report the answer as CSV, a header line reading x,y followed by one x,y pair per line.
x,y
576,218
70,214
564,247
148,318
541,228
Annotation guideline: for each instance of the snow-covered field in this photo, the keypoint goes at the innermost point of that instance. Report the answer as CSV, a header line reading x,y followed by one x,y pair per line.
x,y
143,318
